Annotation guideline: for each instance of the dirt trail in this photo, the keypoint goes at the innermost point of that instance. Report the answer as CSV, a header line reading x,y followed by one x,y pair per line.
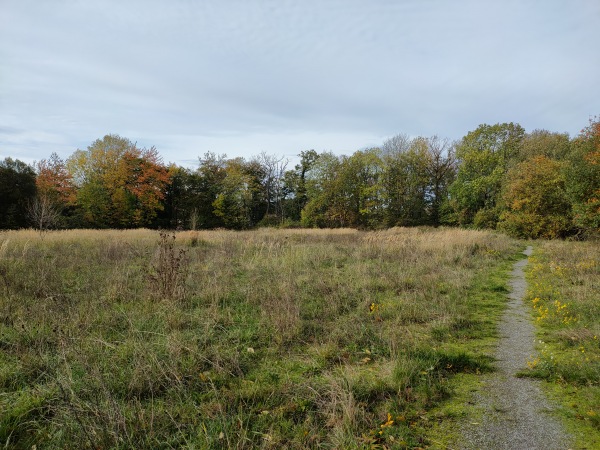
x,y
513,412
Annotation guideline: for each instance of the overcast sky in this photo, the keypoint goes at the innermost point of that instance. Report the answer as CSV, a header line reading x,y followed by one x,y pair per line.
x,y
245,76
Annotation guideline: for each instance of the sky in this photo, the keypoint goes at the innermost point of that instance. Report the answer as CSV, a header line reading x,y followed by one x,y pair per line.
x,y
242,77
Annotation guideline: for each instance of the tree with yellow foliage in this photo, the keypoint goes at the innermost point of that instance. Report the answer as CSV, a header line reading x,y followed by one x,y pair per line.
x,y
535,200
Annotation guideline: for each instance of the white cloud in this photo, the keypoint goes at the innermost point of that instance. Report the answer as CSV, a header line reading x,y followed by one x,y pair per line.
x,y
186,76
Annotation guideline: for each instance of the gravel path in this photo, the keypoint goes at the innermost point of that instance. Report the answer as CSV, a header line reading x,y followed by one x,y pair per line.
x,y
514,411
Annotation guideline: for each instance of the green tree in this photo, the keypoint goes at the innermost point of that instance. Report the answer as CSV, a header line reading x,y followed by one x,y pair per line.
x,y
363,173
483,157
176,205
345,191
406,184
324,208
555,146
205,185
17,191
535,200
254,174
234,204
295,187
441,171
416,178
240,202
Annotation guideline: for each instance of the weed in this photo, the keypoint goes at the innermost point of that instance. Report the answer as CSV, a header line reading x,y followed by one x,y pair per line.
x,y
167,273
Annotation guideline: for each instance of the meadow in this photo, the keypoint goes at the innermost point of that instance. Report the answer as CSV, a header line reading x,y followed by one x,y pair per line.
x,y
263,339
564,295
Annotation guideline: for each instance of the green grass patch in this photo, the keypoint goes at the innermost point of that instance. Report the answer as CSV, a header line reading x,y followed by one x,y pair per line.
x,y
564,281
473,335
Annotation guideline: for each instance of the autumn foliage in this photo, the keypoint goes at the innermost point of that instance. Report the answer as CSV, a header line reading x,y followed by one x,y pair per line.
x,y
585,174
539,184
119,184
54,181
535,200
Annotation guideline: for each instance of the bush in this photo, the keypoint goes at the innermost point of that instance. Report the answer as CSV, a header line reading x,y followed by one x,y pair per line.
x,y
486,218
533,226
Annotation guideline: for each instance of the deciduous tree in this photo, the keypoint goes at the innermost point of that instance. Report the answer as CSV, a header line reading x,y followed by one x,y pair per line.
x,y
273,168
484,156
545,143
406,182
43,213
416,178
345,191
119,184
54,180
295,187
322,208
17,190
535,201
234,204
441,170
56,193
583,175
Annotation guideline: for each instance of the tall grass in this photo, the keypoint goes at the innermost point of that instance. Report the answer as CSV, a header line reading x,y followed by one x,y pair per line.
x,y
268,338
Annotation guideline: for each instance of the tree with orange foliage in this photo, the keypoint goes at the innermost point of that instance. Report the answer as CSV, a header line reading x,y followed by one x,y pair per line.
x,y
54,180
143,180
55,192
119,184
584,177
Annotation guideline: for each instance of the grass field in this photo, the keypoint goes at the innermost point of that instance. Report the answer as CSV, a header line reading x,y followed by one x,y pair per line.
x,y
259,339
564,295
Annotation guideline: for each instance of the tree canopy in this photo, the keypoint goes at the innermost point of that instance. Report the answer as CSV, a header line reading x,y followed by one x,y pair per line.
x,y
118,184
534,200
540,184
17,190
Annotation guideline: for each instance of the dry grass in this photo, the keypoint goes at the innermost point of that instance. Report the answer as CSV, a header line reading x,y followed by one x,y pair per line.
x,y
270,338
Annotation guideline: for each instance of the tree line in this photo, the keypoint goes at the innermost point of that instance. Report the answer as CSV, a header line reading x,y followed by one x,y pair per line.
x,y
540,184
